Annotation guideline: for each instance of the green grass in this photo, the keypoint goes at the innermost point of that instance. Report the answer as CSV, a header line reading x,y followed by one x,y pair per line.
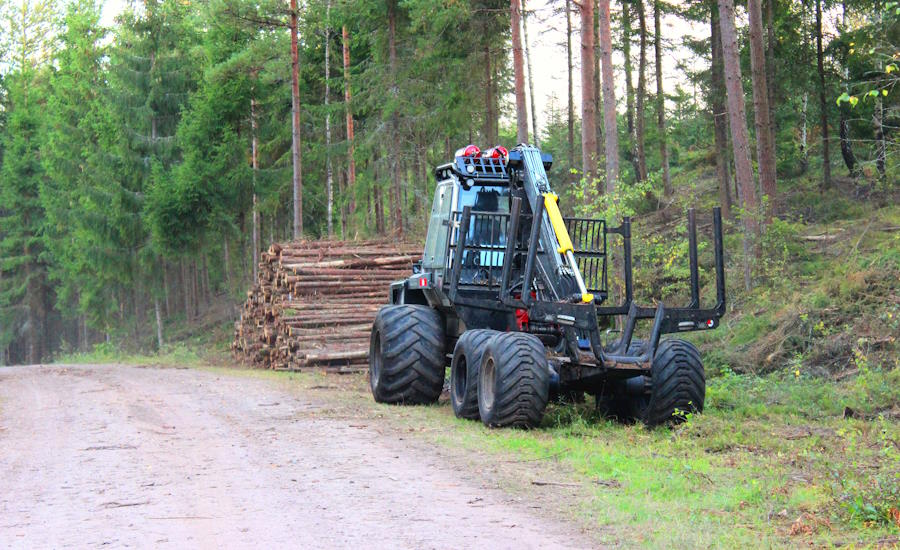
x,y
181,353
765,452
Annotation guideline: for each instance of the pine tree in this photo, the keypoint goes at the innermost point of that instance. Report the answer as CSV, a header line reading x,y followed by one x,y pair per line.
x,y
24,288
80,230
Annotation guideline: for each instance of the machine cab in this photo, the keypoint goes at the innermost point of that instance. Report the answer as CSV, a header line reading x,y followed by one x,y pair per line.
x,y
478,182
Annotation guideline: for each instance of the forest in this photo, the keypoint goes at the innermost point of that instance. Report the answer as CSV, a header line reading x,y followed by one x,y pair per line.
x,y
145,164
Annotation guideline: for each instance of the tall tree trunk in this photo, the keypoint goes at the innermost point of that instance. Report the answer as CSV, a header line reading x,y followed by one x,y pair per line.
x,y
661,99
378,202
295,127
641,92
844,128
823,98
159,325
207,288
598,117
878,115
351,160
166,289
846,145
719,113
226,263
609,99
195,287
571,99
804,134
770,70
534,122
804,101
515,25
739,136
186,290
765,150
627,31
588,124
85,340
329,174
342,219
33,353
488,128
394,150
880,140
254,162
136,301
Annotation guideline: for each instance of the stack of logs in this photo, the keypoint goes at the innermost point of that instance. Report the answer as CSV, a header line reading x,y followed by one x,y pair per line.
x,y
314,302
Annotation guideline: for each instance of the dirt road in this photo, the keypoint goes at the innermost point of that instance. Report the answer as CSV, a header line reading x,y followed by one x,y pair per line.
x,y
113,456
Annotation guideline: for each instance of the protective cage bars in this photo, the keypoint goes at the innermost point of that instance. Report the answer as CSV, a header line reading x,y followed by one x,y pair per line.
x,y
481,261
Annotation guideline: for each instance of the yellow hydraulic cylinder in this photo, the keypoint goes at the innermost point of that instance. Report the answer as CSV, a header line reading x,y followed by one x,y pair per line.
x,y
556,220
565,242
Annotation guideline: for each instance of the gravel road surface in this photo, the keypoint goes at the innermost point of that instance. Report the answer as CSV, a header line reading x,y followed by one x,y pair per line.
x,y
127,456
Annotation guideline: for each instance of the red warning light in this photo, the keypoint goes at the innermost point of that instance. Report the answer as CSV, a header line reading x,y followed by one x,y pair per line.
x,y
423,282
498,152
468,151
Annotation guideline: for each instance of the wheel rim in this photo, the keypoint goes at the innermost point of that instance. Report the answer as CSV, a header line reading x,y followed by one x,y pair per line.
x,y
487,387
460,379
376,359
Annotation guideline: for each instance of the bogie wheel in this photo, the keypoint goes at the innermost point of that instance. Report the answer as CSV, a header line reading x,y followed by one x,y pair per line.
x,y
677,385
514,382
464,369
406,355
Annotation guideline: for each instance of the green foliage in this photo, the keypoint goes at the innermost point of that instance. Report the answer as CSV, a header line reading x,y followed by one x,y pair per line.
x,y
870,498
126,173
780,247
24,292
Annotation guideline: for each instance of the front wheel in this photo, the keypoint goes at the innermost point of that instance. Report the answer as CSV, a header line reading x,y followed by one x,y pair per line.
x,y
514,382
406,355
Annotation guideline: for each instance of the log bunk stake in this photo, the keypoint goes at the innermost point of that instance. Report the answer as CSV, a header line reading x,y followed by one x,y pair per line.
x,y
313,304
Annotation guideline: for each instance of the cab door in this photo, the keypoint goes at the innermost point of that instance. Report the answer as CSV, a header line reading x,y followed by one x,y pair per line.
x,y
434,258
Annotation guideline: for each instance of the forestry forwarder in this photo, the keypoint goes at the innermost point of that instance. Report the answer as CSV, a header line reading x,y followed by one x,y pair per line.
x,y
515,292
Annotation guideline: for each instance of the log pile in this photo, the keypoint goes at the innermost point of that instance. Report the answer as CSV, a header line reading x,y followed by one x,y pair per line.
x,y
313,304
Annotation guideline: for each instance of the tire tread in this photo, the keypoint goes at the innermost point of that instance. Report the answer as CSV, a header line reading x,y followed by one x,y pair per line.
x,y
412,355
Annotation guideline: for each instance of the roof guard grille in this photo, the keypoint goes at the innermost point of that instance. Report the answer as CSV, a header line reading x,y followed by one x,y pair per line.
x,y
481,168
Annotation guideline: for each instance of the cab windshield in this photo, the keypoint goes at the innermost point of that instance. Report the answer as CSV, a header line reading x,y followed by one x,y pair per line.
x,y
486,233
484,199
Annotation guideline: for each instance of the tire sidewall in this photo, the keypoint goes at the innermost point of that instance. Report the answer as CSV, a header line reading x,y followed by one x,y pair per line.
x,y
497,366
487,385
468,354
457,393
376,361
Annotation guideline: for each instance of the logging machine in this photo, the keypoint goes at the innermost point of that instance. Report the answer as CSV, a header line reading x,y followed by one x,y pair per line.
x,y
514,295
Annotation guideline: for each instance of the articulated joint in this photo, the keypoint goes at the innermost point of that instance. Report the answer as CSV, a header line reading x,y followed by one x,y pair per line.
x,y
556,220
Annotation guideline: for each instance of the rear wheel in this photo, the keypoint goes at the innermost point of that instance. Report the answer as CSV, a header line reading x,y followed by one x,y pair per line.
x,y
677,385
464,369
514,382
406,355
